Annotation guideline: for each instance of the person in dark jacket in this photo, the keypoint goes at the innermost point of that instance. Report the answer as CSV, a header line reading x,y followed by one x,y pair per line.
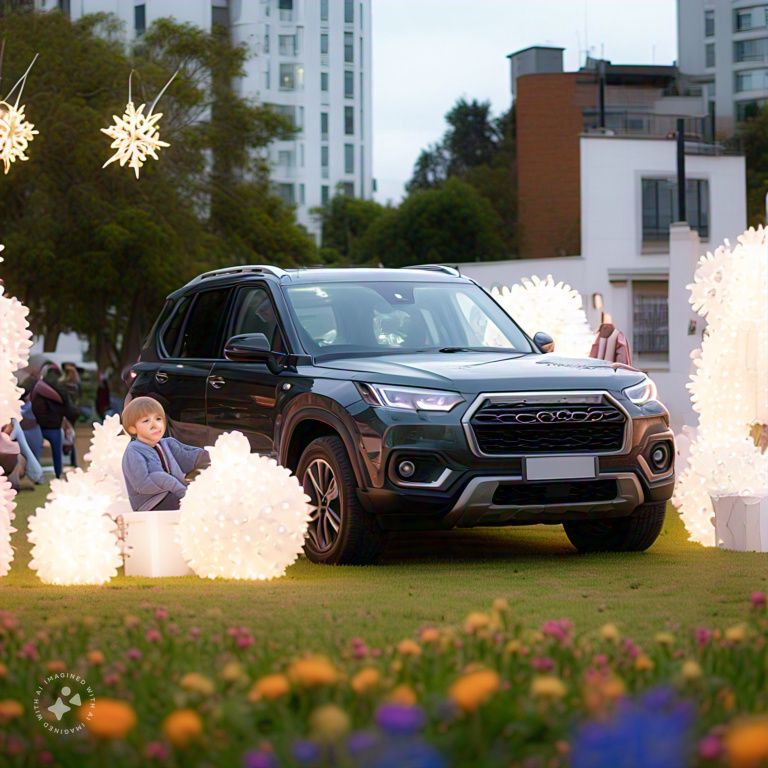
x,y
51,405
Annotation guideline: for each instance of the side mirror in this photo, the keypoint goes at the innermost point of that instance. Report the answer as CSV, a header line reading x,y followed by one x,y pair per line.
x,y
253,348
544,342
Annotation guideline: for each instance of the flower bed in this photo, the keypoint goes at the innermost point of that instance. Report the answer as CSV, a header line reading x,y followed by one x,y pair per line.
x,y
489,693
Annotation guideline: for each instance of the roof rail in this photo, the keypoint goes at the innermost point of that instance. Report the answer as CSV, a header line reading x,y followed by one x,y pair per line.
x,y
257,268
436,268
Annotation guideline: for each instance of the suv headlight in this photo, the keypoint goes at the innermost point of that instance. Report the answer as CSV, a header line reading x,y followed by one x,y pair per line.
x,y
409,399
643,392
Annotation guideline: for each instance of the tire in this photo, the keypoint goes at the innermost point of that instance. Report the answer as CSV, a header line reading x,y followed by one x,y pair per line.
x,y
341,531
623,534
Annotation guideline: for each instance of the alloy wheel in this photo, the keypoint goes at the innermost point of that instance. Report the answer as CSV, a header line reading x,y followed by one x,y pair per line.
x,y
325,520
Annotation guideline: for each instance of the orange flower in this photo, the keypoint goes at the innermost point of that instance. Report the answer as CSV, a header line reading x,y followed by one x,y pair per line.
x,y
476,621
736,633
182,727
403,694
56,665
9,709
197,683
644,664
408,647
95,657
269,687
108,718
233,672
367,679
547,687
3,670
610,633
430,635
472,690
691,670
313,671
746,743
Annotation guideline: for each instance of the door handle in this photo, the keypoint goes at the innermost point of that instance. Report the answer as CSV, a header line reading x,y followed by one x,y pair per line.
x,y
217,382
161,377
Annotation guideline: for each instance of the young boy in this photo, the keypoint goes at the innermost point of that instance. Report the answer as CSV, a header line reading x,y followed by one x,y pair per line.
x,y
154,466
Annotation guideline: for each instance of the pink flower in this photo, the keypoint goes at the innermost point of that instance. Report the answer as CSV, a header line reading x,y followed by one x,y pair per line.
x,y
157,750
558,629
244,641
709,748
543,664
630,648
195,632
134,654
702,635
600,660
161,614
153,636
759,600
45,758
360,651
28,651
111,678
376,653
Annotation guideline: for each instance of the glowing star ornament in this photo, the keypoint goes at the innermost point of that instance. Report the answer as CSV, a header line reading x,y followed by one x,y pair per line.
x,y
135,135
7,505
729,384
556,308
15,341
244,517
73,536
15,130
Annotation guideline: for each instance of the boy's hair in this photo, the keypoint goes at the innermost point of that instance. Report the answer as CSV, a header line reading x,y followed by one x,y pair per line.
x,y
137,409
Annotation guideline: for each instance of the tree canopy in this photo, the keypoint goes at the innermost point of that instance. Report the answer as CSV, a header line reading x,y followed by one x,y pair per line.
x,y
96,251
754,135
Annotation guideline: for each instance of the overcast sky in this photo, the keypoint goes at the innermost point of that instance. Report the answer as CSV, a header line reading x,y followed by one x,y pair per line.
x,y
429,53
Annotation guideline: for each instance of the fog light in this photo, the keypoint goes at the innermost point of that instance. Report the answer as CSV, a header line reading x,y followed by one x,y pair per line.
x,y
661,457
406,469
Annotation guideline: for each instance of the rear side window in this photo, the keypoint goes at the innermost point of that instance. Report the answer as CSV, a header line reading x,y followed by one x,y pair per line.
x,y
257,315
201,336
172,328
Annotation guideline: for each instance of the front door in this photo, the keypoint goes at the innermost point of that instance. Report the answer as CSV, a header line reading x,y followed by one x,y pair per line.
x,y
242,396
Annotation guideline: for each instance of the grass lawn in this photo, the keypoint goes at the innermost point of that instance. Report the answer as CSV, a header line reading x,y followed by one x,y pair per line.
x,y
431,578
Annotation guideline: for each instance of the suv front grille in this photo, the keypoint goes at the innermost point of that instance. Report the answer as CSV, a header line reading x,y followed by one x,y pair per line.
x,y
573,492
537,428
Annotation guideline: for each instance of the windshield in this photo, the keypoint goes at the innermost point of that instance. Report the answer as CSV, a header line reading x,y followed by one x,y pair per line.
x,y
385,317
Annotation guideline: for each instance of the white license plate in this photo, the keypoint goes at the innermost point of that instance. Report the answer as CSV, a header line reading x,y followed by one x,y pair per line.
x,y
560,467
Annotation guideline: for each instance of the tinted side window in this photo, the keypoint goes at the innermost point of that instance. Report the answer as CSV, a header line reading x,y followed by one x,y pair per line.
x,y
257,315
201,337
172,328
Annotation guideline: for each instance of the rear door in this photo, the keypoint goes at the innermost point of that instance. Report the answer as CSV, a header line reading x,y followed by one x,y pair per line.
x,y
195,336
242,396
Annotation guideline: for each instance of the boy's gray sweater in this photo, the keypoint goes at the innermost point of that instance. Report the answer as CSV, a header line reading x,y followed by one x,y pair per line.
x,y
145,478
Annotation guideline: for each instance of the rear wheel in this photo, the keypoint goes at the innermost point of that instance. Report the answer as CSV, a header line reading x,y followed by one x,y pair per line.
x,y
340,530
623,534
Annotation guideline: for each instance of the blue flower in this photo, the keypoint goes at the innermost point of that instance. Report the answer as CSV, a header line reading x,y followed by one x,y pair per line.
x,y
305,752
400,718
411,753
360,742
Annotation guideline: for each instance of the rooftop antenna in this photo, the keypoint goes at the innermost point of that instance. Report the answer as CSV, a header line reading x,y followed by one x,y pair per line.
x,y
586,26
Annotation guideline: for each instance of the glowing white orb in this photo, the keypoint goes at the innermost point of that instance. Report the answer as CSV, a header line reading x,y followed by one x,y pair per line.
x,y
556,308
73,536
244,517
729,384
7,505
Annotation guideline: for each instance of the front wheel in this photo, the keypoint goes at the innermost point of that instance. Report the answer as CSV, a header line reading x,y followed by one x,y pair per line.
x,y
340,530
623,534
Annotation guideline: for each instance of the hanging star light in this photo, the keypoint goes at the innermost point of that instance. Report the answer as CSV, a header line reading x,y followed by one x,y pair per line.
x,y
135,134
15,130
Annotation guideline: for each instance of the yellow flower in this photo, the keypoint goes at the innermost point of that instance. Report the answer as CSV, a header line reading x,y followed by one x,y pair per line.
x,y
182,727
691,670
312,672
95,657
500,605
610,633
197,683
643,663
269,687
736,634
746,743
513,647
233,672
664,638
476,621
472,690
107,718
367,679
329,723
430,635
408,647
403,694
9,709
547,687
56,665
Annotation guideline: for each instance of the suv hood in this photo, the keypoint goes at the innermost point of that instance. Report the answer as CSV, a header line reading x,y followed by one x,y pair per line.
x,y
474,372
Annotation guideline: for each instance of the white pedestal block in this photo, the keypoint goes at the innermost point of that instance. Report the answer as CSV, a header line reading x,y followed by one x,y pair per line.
x,y
741,522
150,546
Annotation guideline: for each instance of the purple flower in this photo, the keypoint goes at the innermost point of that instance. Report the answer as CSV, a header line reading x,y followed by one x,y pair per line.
x,y
259,759
305,752
400,718
558,629
359,742
413,753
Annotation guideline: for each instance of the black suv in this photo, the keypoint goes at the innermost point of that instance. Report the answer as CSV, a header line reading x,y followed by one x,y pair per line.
x,y
409,399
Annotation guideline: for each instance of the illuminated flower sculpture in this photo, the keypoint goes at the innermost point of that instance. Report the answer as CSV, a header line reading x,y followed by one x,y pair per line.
x,y
543,305
15,130
730,380
73,537
7,504
244,517
15,341
106,461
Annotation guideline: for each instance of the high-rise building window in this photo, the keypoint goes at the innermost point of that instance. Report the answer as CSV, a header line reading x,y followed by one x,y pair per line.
x,y
709,55
286,9
323,81
750,50
349,158
324,43
220,18
650,319
349,48
742,20
751,80
660,207
288,45
266,39
349,84
349,121
348,188
287,193
302,194
324,194
349,11
323,125
291,77
709,23
324,159
140,19
360,15
323,10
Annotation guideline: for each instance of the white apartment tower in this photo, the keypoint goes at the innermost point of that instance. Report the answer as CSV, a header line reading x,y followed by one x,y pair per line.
x,y
311,59
723,45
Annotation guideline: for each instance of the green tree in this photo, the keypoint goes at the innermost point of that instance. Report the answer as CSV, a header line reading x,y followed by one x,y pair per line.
x,y
344,221
451,224
754,135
